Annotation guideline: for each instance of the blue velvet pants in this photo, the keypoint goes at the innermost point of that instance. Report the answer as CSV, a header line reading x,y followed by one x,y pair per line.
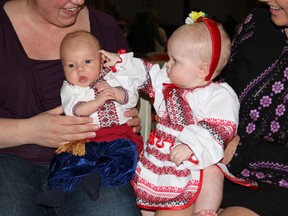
x,y
115,161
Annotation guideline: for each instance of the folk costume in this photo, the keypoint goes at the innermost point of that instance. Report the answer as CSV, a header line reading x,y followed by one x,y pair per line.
x,y
205,118
107,160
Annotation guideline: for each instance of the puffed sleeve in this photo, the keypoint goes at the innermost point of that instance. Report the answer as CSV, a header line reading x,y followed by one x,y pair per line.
x,y
216,117
135,74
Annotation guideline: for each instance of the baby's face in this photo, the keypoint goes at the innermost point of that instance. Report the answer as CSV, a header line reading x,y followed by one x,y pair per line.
x,y
81,64
183,65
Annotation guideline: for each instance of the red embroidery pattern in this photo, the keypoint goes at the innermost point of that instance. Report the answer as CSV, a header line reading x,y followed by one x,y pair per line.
x,y
165,196
179,111
163,135
107,114
126,97
167,170
222,131
147,87
75,107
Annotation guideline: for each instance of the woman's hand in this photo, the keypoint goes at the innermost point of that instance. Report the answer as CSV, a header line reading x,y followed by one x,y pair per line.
x,y
51,129
230,150
135,122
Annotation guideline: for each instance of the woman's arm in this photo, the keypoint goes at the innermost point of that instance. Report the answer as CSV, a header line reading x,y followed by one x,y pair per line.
x,y
48,129
230,150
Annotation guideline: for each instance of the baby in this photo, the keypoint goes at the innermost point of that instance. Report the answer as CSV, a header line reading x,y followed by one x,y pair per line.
x,y
180,170
90,90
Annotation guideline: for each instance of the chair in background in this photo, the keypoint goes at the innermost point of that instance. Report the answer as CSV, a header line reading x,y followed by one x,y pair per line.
x,y
145,111
145,115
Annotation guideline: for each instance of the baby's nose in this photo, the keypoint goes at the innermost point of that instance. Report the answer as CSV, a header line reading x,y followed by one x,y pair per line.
x,y
80,69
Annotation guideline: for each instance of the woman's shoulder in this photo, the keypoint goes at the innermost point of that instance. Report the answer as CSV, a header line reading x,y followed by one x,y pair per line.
x,y
13,8
100,16
102,19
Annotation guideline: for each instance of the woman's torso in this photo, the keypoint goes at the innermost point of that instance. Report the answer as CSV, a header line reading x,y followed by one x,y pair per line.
x,y
258,73
30,86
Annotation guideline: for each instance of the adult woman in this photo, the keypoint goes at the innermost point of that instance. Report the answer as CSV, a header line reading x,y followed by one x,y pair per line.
x,y
258,72
31,76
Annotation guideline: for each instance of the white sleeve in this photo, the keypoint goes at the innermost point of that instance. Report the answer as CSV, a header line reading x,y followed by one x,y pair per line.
x,y
216,119
132,73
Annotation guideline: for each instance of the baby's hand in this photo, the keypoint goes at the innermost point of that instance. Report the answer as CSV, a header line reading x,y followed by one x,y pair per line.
x,y
103,96
180,153
118,93
102,86
110,58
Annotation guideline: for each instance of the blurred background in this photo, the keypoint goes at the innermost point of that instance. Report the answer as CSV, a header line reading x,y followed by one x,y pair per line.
x,y
148,23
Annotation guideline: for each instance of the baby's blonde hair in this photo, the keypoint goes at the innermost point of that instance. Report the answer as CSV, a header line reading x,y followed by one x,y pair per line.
x,y
199,39
80,36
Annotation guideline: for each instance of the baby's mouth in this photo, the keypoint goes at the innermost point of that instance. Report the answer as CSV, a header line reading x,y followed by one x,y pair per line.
x,y
82,79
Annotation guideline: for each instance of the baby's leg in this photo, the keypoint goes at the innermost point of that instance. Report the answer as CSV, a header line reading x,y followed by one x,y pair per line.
x,y
147,213
205,212
211,193
92,184
183,212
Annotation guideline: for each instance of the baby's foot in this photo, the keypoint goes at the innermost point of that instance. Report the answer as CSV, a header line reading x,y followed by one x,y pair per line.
x,y
92,184
205,212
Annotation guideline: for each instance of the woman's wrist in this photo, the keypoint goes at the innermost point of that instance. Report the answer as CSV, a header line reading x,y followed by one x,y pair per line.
x,y
14,132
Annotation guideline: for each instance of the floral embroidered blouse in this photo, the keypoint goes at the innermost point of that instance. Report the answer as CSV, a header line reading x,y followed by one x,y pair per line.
x,y
263,92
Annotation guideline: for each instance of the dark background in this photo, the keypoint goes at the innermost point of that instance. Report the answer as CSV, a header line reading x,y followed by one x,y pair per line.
x,y
172,13
139,18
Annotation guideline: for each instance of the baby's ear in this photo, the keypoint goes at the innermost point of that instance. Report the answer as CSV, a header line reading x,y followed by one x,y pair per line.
x,y
203,70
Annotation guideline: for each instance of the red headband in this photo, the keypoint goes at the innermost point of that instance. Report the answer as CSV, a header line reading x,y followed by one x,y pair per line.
x,y
216,44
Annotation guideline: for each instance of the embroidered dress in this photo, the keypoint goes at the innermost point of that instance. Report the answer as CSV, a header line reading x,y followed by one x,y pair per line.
x,y
205,118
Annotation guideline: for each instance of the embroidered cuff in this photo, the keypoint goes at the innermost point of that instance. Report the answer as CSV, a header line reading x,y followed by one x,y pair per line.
x,y
120,51
126,97
76,107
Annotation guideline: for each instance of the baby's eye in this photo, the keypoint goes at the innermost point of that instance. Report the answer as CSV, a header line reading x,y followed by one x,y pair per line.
x,y
71,65
88,61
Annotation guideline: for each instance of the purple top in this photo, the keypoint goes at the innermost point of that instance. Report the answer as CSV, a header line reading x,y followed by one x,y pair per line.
x,y
29,87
